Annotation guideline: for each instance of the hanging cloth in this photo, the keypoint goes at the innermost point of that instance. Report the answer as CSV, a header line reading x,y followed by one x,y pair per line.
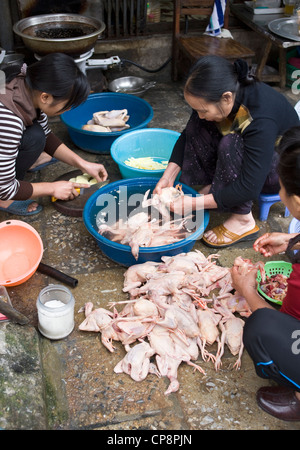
x,y
216,21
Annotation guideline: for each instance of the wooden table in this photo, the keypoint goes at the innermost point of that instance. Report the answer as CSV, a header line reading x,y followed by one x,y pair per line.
x,y
259,24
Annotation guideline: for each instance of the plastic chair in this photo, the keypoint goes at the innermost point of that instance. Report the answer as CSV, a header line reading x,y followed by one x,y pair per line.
x,y
265,201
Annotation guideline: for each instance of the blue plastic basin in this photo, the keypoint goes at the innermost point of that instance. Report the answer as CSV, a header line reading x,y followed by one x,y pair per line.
x,y
140,112
157,143
109,197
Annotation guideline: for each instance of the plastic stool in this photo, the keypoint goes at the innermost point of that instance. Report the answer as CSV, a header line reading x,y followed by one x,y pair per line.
x,y
265,202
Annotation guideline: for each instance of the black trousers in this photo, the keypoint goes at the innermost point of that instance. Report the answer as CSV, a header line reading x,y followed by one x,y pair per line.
x,y
272,340
210,158
32,145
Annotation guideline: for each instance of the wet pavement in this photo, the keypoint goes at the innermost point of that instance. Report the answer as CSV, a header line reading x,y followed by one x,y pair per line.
x,y
69,384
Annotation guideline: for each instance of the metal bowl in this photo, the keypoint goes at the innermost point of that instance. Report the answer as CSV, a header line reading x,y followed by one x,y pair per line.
x,y
73,34
131,85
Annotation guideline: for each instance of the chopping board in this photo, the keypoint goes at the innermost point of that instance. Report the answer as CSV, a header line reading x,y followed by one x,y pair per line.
x,y
73,207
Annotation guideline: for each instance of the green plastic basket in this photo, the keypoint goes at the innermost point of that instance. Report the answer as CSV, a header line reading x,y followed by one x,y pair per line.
x,y
272,268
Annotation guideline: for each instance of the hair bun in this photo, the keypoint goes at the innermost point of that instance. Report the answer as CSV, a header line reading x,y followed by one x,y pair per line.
x,y
241,69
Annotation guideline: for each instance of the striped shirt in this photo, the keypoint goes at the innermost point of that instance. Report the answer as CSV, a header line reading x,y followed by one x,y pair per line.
x,y
11,132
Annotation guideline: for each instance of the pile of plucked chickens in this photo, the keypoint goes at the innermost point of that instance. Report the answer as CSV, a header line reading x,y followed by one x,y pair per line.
x,y
176,310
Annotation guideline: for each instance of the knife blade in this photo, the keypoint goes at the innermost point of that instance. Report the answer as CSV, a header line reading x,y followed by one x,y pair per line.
x,y
93,187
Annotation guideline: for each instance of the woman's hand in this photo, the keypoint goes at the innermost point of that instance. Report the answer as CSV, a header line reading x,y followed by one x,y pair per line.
x,y
168,178
244,283
163,183
65,190
272,243
95,170
66,155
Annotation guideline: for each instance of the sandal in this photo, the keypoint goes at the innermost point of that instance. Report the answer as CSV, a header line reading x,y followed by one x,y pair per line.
x,y
20,208
42,166
221,232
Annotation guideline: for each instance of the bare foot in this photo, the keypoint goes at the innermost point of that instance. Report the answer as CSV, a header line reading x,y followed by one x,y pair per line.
x,y
31,207
297,395
236,223
42,159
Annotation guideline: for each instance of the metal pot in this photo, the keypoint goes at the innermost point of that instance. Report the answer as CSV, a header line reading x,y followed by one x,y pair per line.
x,y
72,34
131,85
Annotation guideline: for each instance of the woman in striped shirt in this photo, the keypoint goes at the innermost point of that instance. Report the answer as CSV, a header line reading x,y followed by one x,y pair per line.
x,y
47,88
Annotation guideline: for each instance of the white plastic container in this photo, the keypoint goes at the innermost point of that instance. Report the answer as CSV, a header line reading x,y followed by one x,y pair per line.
x,y
55,305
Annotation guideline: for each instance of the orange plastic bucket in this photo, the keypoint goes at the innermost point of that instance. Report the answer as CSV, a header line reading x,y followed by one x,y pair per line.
x,y
21,251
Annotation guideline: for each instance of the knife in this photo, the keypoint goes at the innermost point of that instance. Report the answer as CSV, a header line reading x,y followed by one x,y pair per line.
x,y
82,191
12,314
95,186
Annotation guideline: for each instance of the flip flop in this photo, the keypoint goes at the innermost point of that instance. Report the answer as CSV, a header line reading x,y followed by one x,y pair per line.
x,y
42,166
221,232
20,208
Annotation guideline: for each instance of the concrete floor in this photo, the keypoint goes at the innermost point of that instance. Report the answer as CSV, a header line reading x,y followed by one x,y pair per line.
x,y
70,384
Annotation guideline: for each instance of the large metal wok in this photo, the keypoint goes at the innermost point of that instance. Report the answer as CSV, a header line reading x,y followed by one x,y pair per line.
x,y
73,34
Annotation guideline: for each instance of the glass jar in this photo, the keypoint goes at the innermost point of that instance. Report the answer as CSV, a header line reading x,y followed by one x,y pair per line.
x,y
55,306
289,6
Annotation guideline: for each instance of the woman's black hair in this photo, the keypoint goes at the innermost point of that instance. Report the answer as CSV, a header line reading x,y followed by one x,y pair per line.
x,y
289,161
11,71
58,74
212,75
